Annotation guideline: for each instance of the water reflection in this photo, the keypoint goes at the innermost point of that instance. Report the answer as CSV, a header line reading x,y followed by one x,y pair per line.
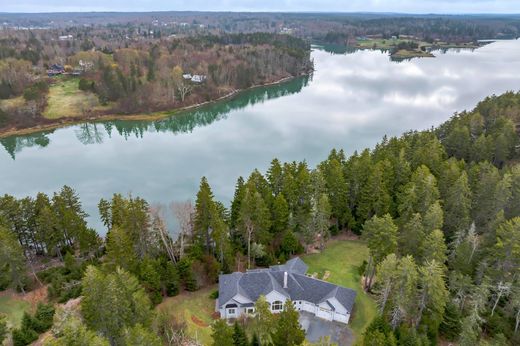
x,y
15,144
187,121
352,101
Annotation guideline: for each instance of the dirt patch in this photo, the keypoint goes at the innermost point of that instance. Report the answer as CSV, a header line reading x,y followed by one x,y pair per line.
x,y
33,297
198,322
349,235
215,316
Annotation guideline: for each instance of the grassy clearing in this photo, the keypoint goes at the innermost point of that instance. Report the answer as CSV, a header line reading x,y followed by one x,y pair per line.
x,y
11,103
196,309
386,43
411,53
13,308
65,100
343,258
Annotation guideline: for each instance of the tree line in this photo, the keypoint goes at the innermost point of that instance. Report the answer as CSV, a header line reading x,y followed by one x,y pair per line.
x,y
440,213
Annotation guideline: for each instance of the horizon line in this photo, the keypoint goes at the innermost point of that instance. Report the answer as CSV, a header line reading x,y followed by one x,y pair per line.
x,y
276,11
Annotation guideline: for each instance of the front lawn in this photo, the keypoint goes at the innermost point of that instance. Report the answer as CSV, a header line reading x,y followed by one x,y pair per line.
x,y
196,309
342,258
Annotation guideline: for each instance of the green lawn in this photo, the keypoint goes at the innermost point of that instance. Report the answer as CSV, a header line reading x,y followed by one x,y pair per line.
x,y
196,309
66,100
14,309
343,258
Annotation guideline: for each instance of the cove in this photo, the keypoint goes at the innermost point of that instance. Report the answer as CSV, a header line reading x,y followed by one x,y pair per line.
x,y
351,101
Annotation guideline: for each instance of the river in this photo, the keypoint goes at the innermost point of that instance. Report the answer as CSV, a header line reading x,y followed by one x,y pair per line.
x,y
351,101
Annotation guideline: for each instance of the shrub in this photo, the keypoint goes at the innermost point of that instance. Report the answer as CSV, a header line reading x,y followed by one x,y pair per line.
x,y
86,85
214,295
22,337
44,314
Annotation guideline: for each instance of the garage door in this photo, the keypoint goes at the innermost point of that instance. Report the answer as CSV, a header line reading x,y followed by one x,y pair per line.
x,y
325,314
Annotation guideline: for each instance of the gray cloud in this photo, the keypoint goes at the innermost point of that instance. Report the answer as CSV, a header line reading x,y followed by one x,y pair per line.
x,y
409,6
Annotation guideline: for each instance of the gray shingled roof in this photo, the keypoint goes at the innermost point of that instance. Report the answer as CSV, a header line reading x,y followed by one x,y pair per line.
x,y
258,282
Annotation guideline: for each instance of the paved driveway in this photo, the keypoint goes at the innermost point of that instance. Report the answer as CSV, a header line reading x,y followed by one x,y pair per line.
x,y
316,327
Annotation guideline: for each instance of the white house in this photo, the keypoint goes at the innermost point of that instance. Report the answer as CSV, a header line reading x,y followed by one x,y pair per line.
x,y
238,292
197,78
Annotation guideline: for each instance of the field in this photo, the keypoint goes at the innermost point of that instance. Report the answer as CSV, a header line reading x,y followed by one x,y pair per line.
x,y
13,308
385,43
343,258
66,100
196,309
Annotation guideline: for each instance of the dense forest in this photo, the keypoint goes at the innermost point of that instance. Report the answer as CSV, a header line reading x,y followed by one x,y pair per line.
x,y
333,27
118,74
439,211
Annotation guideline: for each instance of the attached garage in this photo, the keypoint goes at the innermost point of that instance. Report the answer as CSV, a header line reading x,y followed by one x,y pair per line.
x,y
341,318
324,313
310,307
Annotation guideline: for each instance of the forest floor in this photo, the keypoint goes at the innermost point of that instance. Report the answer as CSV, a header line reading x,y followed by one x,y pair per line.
x,y
342,258
196,309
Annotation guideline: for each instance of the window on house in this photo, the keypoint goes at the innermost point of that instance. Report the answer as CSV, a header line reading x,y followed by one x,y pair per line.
x,y
277,306
250,310
231,311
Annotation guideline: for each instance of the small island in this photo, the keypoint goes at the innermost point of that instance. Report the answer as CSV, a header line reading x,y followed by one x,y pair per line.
x,y
407,47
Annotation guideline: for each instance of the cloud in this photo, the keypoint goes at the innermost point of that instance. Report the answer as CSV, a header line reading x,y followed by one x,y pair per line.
x,y
409,6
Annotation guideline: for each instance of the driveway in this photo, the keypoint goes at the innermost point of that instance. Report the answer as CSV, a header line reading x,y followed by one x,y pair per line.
x,y
316,327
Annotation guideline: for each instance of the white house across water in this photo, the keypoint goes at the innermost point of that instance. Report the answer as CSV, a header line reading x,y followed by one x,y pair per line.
x,y
238,292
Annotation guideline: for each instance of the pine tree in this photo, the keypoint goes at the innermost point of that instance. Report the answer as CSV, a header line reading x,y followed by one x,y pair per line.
x,y
381,236
222,334
433,294
3,328
239,336
113,302
254,219
264,320
288,331
280,214
139,336
457,206
12,260
120,251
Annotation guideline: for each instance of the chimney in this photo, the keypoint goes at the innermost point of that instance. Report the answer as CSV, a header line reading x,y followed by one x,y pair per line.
x,y
284,279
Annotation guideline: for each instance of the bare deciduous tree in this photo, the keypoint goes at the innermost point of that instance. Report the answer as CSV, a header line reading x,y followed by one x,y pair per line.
x,y
183,212
159,226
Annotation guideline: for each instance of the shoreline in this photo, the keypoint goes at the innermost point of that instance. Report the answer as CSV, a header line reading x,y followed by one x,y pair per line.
x,y
153,116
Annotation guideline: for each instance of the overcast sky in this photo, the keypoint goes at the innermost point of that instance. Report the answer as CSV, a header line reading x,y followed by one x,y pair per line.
x,y
408,6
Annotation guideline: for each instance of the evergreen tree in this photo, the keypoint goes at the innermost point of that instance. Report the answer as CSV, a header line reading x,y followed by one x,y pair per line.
x,y
12,261
139,336
239,336
434,248
120,251
254,219
3,328
264,320
222,334
288,331
280,214
381,236
457,206
113,302
451,325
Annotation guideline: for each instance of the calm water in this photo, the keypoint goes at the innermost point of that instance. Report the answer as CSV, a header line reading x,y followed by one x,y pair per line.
x,y
351,101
